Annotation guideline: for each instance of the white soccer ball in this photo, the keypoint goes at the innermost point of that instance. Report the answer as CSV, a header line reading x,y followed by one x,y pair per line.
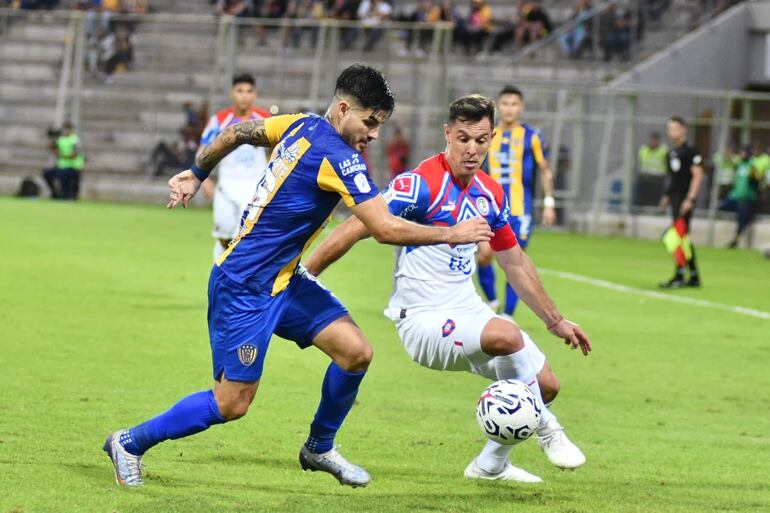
x,y
507,412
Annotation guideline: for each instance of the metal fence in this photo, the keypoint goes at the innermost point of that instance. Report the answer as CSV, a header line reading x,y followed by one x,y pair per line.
x,y
594,133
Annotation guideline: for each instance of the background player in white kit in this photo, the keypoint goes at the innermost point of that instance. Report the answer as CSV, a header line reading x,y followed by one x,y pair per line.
x,y
239,173
441,320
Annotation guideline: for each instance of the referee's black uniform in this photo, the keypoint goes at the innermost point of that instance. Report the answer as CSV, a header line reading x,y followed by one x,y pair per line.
x,y
680,162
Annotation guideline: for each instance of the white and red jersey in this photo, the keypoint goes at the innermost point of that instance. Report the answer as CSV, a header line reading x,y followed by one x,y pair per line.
x,y
245,166
432,277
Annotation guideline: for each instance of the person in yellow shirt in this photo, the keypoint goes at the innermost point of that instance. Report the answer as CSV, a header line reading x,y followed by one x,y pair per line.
x,y
516,153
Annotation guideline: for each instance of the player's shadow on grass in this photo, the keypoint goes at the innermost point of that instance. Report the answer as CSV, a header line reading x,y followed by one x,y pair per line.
x,y
166,306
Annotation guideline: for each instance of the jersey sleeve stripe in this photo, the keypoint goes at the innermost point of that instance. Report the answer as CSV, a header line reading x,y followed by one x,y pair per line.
x,y
329,181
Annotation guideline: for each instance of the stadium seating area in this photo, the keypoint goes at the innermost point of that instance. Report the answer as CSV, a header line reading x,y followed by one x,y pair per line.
x,y
174,62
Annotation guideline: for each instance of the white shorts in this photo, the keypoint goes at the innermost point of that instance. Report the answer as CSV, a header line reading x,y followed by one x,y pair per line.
x,y
451,340
228,211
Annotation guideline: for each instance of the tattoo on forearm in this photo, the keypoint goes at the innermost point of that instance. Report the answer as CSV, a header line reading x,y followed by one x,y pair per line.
x,y
249,132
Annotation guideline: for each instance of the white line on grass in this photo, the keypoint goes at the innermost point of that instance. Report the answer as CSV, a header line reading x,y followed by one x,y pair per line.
x,y
657,295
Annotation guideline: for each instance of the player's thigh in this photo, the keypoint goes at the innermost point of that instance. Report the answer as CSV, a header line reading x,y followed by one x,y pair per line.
x,y
241,324
315,317
484,253
448,340
501,337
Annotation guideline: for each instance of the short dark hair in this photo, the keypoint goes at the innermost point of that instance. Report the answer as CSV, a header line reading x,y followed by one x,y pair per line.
x,y
473,108
244,78
368,86
678,119
511,89
67,126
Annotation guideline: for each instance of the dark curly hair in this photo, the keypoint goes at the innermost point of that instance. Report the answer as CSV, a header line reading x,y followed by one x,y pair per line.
x,y
368,86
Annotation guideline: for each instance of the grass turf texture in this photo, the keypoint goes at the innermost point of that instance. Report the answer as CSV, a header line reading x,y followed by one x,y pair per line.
x,y
103,325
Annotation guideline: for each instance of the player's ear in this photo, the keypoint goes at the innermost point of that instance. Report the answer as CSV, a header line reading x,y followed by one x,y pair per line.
x,y
447,129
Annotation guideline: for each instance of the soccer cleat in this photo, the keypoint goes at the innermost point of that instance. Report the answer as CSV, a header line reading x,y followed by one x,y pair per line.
x,y
558,448
333,463
494,305
509,473
694,282
128,467
676,282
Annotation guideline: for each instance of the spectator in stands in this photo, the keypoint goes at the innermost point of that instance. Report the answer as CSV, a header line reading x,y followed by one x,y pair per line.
x,y
231,8
573,41
656,8
399,151
472,32
98,12
346,10
31,4
616,32
118,52
373,14
64,179
427,11
309,10
175,157
534,23
744,194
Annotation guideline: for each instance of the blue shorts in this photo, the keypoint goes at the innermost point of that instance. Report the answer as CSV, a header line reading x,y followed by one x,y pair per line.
x,y
242,321
523,227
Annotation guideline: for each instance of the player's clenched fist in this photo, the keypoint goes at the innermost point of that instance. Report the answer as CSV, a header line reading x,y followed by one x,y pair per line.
x,y
183,186
471,230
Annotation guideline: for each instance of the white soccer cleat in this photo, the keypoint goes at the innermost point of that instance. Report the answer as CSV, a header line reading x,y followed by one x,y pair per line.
x,y
128,467
333,463
558,448
509,473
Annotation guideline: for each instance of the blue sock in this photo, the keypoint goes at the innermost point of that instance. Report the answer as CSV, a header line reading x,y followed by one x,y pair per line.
x,y
487,281
511,300
338,393
190,415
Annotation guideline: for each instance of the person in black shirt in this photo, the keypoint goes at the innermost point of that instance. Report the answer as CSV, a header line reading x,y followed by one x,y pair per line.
x,y
685,175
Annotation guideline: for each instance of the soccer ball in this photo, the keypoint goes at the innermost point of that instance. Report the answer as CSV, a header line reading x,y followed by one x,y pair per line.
x,y
507,412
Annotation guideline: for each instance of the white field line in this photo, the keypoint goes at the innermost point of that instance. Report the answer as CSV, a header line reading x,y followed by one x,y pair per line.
x,y
653,294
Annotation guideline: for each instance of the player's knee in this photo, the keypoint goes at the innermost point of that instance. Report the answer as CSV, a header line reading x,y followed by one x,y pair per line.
x,y
358,358
504,342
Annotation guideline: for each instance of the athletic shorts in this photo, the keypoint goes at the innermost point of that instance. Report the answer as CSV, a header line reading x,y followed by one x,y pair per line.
x,y
242,321
451,340
228,210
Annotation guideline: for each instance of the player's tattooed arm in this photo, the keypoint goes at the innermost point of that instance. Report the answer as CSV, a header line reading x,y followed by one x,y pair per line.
x,y
249,132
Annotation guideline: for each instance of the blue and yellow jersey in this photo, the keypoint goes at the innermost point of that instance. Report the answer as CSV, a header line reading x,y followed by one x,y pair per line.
x,y
310,169
514,156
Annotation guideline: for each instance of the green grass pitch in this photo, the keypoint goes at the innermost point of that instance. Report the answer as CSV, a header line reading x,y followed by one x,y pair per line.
x,y
102,315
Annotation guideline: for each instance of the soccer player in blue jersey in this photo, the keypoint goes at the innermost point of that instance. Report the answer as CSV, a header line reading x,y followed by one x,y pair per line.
x,y
516,154
257,288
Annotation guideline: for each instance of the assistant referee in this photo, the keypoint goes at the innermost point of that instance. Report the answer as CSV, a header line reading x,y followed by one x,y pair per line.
x,y
685,175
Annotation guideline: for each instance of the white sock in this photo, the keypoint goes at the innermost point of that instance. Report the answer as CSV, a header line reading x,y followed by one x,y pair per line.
x,y
519,366
218,249
493,457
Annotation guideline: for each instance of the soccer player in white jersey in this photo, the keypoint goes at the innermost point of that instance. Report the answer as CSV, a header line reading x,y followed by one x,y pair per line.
x,y
441,320
238,173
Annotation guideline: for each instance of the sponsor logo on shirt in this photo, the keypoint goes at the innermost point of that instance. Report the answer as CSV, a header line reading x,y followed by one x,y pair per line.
x,y
352,165
362,183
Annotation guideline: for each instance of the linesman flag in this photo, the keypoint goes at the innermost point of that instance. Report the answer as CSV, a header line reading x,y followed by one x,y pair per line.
x,y
677,242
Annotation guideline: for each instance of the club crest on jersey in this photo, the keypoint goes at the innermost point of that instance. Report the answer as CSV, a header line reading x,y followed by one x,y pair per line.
x,y
247,354
448,328
483,205
405,187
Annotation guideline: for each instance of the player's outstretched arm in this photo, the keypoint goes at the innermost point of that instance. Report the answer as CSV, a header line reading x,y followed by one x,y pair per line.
x,y
339,242
389,229
523,277
183,186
